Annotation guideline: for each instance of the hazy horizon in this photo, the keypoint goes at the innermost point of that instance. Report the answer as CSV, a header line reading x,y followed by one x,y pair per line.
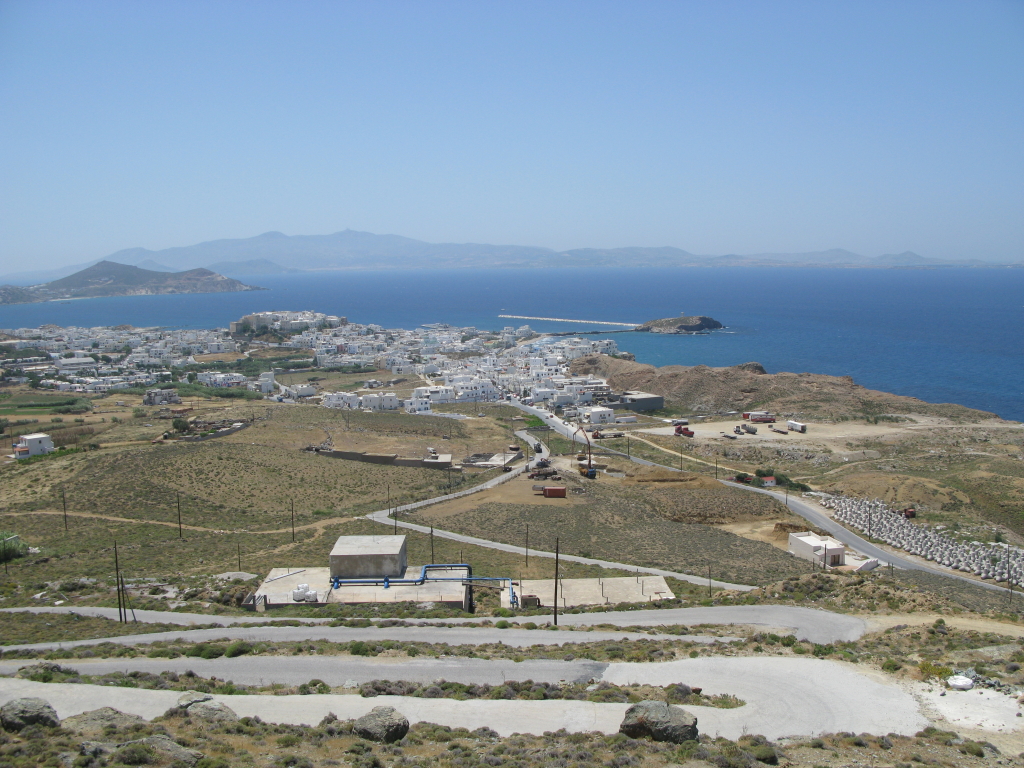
x,y
733,128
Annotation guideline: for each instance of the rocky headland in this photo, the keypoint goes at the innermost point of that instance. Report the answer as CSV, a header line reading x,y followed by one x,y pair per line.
x,y
681,324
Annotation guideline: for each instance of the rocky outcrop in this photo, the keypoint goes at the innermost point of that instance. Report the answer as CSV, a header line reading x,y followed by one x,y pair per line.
x,y
202,707
681,324
143,751
659,721
18,713
94,722
382,724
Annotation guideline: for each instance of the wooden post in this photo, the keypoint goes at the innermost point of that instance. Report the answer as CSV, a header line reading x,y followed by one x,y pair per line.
x,y
432,561
64,499
293,519
239,556
554,605
527,545
709,580
178,496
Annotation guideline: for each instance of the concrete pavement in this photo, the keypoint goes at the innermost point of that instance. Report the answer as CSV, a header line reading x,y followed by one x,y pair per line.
x,y
783,697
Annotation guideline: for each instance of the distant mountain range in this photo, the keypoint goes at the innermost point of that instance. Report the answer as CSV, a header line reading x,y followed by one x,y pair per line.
x,y
110,279
267,253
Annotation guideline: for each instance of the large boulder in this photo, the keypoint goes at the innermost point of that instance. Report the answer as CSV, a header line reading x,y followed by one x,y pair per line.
x,y
383,724
94,722
659,721
212,712
16,714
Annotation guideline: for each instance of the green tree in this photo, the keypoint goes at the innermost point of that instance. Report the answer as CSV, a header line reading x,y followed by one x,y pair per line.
x,y
180,425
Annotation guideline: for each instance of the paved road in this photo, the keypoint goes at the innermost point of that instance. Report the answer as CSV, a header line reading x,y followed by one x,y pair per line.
x,y
785,696
806,623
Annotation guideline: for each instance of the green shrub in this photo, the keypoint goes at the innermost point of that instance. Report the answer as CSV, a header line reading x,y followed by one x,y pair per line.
x,y
238,648
288,740
891,665
972,748
358,648
502,624
135,754
765,754
788,640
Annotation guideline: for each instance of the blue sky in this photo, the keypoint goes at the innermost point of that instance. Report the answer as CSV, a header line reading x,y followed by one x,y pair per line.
x,y
723,127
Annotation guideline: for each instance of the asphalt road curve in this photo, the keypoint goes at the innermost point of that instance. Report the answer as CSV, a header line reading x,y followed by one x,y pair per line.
x,y
806,623
784,697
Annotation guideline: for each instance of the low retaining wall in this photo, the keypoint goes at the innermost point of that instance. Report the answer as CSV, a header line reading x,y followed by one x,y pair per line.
x,y
391,459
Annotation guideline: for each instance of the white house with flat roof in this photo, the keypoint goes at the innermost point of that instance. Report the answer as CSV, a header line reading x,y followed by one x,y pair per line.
x,y
35,444
818,549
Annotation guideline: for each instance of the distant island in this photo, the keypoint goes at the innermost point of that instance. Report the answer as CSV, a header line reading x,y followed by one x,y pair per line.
x,y
276,253
681,324
108,278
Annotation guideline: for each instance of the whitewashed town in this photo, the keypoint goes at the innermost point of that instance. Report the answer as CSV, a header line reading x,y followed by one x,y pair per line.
x,y
457,365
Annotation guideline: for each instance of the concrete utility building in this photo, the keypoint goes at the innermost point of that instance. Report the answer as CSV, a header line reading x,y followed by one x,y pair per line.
x,y
818,549
367,557
366,569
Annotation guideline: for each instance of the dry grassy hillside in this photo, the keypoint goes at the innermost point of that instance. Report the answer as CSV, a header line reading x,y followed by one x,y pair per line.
x,y
747,386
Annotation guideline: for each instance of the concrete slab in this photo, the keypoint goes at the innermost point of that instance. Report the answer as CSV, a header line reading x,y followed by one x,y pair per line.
x,y
573,592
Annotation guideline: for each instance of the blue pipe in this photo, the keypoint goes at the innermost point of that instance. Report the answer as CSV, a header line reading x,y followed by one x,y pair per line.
x,y
387,581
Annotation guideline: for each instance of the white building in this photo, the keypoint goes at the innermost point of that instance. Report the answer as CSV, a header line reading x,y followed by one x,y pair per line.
x,y
823,550
598,415
35,444
341,400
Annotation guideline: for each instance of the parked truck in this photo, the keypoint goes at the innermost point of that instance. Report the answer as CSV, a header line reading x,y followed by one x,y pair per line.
x,y
796,426
750,429
684,431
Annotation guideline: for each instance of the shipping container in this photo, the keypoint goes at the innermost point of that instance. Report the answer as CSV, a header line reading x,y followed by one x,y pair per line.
x,y
554,492
796,426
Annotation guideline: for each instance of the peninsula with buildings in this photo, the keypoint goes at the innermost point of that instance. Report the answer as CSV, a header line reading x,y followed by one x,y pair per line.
x,y
108,278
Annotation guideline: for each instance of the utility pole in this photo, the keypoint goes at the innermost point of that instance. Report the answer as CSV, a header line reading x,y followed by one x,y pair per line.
x,y
716,469
554,605
432,561
178,495
709,579
527,545
239,556
6,572
293,519
64,499
117,581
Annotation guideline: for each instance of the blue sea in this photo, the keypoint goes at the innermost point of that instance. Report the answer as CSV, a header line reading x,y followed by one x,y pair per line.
x,y
943,335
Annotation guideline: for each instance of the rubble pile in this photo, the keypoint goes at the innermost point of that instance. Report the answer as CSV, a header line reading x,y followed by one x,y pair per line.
x,y
997,561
